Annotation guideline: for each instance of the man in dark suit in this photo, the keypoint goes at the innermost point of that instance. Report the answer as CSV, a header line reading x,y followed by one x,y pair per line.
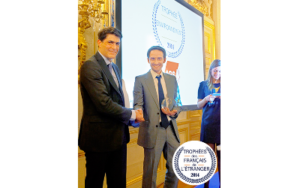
x,y
104,131
158,133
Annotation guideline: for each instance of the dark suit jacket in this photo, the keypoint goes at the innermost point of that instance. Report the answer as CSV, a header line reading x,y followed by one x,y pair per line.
x,y
104,120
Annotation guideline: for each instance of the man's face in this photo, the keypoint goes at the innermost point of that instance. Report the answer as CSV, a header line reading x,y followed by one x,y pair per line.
x,y
156,60
109,47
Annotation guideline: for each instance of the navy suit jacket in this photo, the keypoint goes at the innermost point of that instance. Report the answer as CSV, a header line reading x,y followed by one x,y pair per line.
x,y
104,121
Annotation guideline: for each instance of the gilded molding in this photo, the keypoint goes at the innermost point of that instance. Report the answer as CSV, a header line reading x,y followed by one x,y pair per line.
x,y
183,122
193,114
203,6
132,141
208,42
135,180
83,24
209,25
195,137
81,154
183,130
136,130
197,133
95,9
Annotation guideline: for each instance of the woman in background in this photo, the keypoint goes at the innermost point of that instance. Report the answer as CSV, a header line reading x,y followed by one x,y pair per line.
x,y
210,103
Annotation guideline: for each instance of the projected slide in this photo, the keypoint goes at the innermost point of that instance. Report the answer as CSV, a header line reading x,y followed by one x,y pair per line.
x,y
168,24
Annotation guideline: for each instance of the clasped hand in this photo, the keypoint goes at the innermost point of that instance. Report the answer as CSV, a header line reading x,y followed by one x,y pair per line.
x,y
139,116
211,98
167,111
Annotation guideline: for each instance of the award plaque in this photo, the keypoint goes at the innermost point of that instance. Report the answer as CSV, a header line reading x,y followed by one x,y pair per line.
x,y
168,103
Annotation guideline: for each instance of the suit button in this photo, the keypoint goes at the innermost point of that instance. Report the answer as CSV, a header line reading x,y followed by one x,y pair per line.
x,y
156,125
157,113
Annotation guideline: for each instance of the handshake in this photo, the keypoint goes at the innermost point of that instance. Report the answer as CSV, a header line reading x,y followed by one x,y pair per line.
x,y
139,116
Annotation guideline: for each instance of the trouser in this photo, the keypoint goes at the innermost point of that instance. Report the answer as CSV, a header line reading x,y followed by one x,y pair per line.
x,y
113,164
167,143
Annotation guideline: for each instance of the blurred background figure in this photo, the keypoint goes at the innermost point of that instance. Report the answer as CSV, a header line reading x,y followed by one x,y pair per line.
x,y
209,99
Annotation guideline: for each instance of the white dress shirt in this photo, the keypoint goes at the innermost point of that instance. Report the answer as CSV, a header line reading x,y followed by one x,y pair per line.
x,y
164,87
112,70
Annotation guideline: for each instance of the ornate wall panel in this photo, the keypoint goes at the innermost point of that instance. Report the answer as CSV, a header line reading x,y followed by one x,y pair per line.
x,y
209,40
81,168
135,158
211,12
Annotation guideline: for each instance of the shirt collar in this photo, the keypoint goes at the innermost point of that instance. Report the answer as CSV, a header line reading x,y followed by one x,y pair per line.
x,y
105,59
154,74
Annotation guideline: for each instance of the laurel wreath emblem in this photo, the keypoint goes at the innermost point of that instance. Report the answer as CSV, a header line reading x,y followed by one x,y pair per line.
x,y
200,180
169,54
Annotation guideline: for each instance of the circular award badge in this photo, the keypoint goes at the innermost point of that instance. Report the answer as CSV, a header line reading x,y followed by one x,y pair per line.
x,y
194,162
168,28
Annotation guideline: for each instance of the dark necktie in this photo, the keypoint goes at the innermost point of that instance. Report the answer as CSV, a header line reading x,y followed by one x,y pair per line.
x,y
164,119
116,81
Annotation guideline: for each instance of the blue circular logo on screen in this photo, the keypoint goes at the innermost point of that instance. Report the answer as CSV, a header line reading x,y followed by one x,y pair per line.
x,y
168,29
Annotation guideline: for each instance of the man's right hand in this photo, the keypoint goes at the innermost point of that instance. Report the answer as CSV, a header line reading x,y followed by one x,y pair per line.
x,y
139,116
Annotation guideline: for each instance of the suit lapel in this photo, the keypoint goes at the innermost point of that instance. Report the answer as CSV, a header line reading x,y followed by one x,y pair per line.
x,y
117,74
107,72
119,80
169,85
151,87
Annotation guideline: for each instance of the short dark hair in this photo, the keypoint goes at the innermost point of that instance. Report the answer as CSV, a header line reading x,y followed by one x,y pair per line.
x,y
157,48
108,30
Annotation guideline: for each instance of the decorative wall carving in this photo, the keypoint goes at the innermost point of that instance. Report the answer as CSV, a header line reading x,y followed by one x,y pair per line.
x,y
203,6
89,10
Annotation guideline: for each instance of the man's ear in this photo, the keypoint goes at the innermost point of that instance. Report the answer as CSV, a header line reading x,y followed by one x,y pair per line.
x,y
99,42
165,59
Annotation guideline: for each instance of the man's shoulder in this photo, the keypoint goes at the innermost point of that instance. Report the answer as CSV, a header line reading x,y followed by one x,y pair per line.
x,y
169,76
92,61
142,76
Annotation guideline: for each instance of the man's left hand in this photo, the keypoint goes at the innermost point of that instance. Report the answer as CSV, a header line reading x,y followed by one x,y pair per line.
x,y
167,111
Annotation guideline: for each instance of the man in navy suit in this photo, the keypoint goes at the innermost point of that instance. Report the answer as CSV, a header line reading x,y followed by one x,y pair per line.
x,y
104,129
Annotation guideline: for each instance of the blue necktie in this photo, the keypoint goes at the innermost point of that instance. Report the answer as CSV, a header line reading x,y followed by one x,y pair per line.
x,y
110,68
164,119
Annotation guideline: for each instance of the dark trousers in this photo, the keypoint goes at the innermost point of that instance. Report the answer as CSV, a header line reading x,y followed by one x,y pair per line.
x,y
113,164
